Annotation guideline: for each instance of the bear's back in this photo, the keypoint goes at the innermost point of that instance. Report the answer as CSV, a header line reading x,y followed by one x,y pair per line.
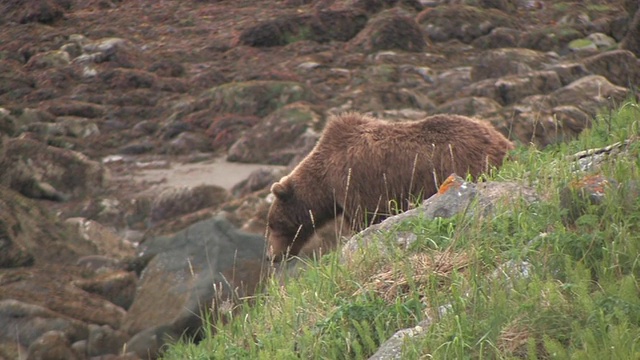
x,y
373,162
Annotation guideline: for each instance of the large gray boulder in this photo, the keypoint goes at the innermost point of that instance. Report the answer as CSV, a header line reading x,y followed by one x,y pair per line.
x,y
196,274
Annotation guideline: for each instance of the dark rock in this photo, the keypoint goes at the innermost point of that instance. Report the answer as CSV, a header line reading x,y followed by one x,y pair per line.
x,y
549,38
137,148
15,83
75,108
374,6
209,79
207,266
174,202
52,345
470,106
224,131
42,11
569,72
631,40
258,180
25,324
144,128
49,59
500,37
167,68
286,125
461,22
542,127
125,79
589,93
40,171
449,83
509,89
30,234
621,67
385,96
188,143
173,129
104,340
500,62
257,97
508,6
8,123
321,26
118,287
390,30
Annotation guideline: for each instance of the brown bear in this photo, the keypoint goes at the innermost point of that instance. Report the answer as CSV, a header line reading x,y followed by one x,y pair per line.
x,y
367,169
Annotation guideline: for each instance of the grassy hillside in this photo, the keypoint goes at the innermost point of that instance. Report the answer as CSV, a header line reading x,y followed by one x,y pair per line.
x,y
541,280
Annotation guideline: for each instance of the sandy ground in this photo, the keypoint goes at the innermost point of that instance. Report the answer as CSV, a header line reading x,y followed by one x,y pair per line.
x,y
161,174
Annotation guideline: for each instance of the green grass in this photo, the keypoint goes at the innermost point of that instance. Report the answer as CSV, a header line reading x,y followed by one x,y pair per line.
x,y
579,297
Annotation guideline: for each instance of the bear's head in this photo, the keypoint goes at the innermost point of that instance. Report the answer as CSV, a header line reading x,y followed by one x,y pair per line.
x,y
289,222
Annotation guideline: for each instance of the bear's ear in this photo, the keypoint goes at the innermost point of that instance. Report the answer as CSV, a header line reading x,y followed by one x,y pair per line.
x,y
282,190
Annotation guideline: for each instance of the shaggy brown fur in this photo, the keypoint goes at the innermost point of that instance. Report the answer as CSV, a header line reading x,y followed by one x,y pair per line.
x,y
367,169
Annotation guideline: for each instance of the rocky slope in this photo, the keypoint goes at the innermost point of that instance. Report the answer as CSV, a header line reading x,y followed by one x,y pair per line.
x,y
95,95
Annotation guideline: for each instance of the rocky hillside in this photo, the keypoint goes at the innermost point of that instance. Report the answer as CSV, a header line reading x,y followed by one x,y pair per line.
x,y
94,95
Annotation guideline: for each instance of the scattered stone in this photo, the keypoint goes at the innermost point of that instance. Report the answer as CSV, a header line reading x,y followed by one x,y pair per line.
x,y
286,124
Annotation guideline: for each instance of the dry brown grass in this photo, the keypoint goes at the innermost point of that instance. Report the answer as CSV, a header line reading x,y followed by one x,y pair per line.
x,y
392,281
